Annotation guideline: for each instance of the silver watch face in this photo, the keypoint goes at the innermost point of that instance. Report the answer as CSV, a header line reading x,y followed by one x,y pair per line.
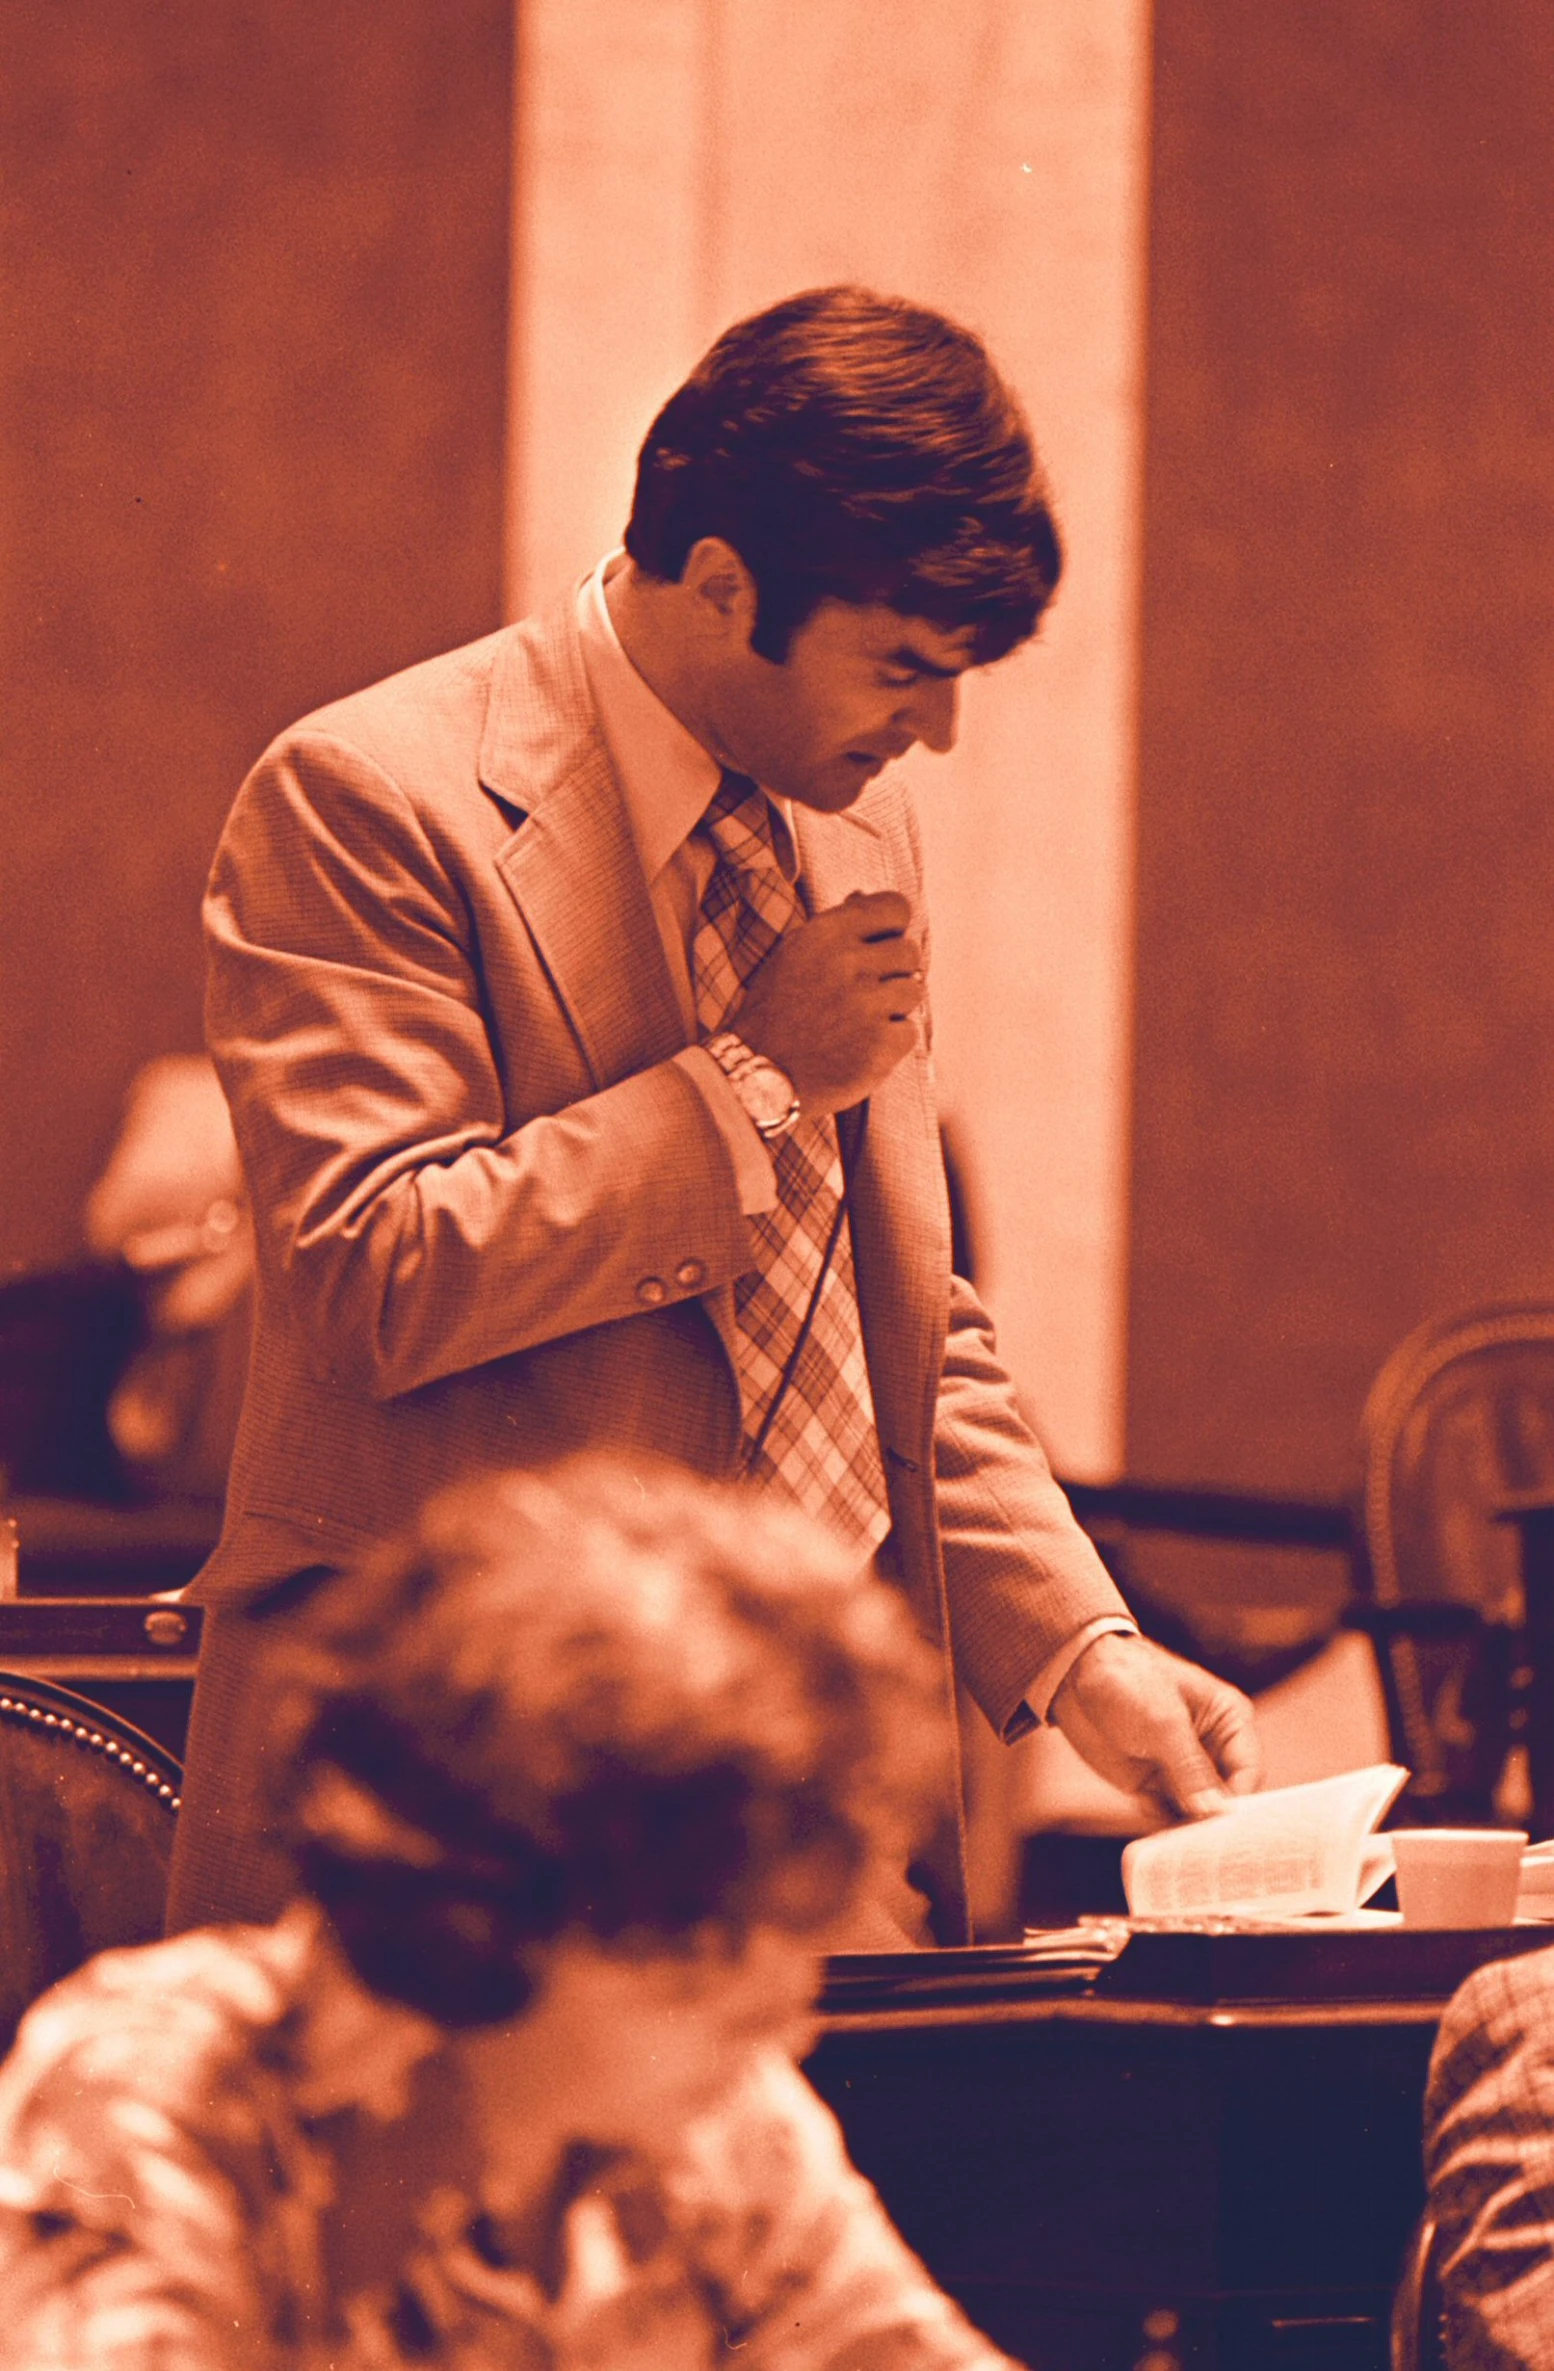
x,y
766,1092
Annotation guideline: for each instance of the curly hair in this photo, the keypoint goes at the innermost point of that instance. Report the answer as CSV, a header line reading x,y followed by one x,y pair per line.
x,y
858,448
601,1699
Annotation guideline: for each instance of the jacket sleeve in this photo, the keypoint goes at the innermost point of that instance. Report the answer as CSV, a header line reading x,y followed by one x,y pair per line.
x,y
1489,2161
1020,1575
414,1229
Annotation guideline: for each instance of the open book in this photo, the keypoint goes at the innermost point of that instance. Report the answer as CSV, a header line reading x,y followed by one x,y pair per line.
x,y
1291,1853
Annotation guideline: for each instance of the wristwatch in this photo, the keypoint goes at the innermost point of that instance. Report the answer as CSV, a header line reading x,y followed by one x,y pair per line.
x,y
765,1091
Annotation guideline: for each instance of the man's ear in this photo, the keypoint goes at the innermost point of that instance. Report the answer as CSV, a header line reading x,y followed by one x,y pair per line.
x,y
722,591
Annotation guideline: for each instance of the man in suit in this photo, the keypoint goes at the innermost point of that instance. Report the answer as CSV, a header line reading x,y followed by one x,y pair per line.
x,y
568,992
1489,2161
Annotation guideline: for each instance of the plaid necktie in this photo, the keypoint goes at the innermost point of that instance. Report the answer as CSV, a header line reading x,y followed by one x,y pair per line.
x,y
822,1448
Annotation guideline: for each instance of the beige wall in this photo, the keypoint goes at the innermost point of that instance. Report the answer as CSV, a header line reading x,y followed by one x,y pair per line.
x,y
989,159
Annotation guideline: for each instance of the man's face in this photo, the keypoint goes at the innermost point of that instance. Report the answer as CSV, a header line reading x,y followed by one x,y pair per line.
x,y
858,687
638,2047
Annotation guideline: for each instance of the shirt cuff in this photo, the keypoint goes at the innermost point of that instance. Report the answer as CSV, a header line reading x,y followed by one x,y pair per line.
x,y
1036,1704
753,1171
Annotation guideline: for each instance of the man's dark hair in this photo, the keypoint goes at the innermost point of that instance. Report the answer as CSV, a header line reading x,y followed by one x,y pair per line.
x,y
858,448
606,1700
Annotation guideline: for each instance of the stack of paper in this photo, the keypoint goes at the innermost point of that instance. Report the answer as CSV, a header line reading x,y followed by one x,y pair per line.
x,y
1294,1852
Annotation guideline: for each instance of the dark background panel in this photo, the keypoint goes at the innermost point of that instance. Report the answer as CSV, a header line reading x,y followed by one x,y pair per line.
x,y
253,266
1344,1092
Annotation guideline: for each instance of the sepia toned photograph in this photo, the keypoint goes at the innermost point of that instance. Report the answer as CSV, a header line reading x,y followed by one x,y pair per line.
x,y
776,1280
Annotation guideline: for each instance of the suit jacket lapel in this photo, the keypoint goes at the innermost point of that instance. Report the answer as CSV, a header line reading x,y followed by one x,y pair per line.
x,y
572,866
573,871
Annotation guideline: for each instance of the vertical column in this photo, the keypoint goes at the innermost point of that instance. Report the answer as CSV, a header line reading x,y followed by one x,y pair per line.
x,y
685,161
609,300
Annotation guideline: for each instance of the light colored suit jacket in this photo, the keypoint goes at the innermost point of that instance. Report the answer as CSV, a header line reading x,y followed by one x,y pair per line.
x,y
1489,2161
495,1219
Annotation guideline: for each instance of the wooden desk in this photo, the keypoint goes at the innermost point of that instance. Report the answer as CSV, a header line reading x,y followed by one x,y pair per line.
x,y
1110,2184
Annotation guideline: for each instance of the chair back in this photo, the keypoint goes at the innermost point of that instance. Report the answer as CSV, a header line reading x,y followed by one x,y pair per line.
x,y
1459,1420
88,1806
1418,2327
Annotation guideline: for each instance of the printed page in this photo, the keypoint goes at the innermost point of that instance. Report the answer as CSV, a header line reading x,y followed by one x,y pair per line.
x,y
1293,1852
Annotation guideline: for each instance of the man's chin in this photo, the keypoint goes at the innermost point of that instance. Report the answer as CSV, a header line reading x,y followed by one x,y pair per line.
x,y
839,788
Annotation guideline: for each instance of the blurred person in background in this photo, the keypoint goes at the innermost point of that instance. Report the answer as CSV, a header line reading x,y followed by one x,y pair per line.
x,y
580,1777
569,995
171,1205
1489,2162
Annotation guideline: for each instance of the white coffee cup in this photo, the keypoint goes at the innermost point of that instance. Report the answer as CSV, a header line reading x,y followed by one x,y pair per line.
x,y
1458,1876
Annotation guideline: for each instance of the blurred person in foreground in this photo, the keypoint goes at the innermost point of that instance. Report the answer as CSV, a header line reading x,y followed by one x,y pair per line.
x,y
582,1776
1489,2162
570,995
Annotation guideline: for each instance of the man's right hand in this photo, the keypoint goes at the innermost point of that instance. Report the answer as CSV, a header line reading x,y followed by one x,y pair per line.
x,y
834,1003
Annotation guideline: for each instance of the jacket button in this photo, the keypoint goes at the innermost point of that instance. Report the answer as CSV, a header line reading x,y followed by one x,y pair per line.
x,y
689,1274
652,1290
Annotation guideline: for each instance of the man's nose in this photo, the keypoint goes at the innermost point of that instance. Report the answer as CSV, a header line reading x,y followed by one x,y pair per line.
x,y
932,712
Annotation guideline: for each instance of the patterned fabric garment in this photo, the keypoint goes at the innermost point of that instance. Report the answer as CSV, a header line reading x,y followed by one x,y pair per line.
x,y
822,1447
1489,2162
219,2154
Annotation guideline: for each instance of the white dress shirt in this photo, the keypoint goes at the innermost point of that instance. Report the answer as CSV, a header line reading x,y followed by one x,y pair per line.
x,y
667,781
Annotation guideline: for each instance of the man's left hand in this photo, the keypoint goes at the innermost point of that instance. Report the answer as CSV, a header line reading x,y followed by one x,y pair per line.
x,y
1158,1727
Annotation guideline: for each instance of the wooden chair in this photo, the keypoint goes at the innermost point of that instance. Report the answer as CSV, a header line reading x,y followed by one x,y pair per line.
x,y
1459,1421
1418,2331
88,1806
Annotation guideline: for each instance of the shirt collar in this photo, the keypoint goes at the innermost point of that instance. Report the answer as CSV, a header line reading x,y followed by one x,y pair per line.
x,y
665,775
667,779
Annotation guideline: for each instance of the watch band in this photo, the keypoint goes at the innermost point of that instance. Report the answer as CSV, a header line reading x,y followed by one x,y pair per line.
x,y
767,1093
